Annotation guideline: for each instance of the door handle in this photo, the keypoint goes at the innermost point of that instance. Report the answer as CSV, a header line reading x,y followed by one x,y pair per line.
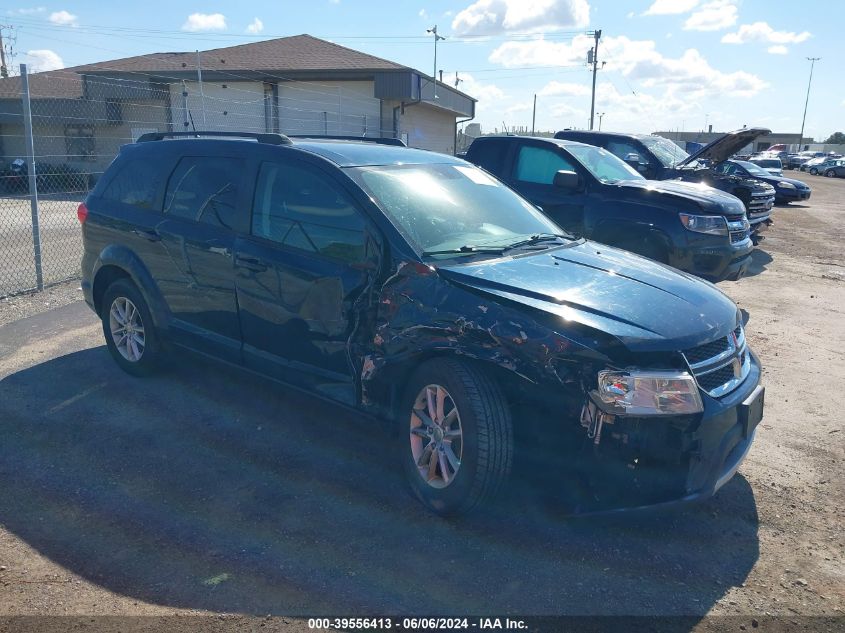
x,y
250,263
152,236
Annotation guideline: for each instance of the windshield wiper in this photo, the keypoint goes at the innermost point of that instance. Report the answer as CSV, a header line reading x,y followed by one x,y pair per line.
x,y
536,239
466,249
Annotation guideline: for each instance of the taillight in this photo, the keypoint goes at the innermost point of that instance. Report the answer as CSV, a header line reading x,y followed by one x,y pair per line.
x,y
82,212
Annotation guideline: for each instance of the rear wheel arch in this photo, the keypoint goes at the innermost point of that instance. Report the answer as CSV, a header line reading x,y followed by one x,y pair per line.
x,y
116,262
104,278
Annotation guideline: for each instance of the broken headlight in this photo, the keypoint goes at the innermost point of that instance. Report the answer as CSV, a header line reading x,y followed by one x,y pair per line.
x,y
641,393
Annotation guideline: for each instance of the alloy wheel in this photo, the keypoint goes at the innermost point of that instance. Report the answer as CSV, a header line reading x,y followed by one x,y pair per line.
x,y
127,329
436,436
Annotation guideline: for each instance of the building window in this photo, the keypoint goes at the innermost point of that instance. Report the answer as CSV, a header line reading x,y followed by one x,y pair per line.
x,y
114,112
79,141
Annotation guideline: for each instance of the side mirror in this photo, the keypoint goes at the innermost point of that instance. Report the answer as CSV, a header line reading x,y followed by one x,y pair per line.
x,y
567,180
634,161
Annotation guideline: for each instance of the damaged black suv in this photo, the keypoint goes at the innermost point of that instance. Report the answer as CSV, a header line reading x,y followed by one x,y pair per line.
x,y
416,287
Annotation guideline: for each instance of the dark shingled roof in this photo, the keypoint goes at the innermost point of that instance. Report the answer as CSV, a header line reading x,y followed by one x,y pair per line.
x,y
284,54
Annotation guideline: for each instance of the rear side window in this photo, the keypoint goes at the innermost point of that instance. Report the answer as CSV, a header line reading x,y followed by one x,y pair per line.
x,y
491,156
623,149
303,209
205,189
540,164
136,183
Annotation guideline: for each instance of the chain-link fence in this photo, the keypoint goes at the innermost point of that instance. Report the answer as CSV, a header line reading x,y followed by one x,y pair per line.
x,y
59,130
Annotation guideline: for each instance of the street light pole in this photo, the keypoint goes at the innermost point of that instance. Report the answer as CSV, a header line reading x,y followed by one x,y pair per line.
x,y
812,61
601,115
437,37
595,61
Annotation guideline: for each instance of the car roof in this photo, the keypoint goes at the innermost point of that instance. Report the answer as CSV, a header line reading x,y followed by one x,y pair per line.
x,y
560,142
343,153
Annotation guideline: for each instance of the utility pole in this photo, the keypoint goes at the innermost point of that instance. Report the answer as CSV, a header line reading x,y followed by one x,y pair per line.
x,y
812,61
437,37
457,79
534,114
593,56
4,68
601,115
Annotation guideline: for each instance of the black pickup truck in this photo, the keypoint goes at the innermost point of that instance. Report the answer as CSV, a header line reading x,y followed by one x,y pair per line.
x,y
658,158
591,192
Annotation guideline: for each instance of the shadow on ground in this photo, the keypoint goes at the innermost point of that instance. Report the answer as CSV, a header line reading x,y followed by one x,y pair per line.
x,y
208,488
760,259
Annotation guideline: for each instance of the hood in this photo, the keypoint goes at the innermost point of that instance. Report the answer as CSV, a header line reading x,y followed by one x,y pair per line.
x,y
726,146
706,198
773,180
645,305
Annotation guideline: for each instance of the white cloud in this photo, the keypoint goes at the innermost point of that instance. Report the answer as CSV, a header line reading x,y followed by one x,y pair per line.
x,y
41,60
777,49
27,11
555,88
197,22
690,74
63,18
671,7
762,32
713,16
494,17
484,92
255,27
423,14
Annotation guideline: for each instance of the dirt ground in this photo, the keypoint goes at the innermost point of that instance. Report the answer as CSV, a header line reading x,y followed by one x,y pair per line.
x,y
203,491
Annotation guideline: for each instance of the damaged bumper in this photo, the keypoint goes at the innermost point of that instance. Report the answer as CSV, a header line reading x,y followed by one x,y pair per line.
x,y
653,463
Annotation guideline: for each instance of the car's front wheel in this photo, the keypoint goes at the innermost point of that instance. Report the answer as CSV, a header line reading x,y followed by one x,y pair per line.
x,y
455,436
814,171
128,328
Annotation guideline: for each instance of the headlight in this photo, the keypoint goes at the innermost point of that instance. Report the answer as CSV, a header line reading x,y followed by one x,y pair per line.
x,y
786,185
712,224
639,393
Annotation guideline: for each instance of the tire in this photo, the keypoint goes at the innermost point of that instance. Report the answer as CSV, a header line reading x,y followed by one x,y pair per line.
x,y
814,171
139,354
470,451
830,173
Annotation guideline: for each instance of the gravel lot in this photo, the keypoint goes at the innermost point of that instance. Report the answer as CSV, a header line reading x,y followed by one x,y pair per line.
x,y
207,491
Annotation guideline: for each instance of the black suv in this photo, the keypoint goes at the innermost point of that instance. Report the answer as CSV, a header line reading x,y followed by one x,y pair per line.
x,y
591,192
415,287
659,158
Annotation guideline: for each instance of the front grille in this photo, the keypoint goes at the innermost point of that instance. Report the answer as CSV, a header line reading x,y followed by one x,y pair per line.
x,y
708,350
738,236
720,366
761,201
734,223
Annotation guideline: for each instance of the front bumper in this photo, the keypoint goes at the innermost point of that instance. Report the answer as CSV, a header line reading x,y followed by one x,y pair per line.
x,y
687,461
715,259
792,195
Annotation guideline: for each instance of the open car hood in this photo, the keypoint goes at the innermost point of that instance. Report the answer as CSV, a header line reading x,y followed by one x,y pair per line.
x,y
726,146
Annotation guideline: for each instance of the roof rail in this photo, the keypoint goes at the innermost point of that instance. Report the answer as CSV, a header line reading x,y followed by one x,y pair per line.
x,y
381,140
270,139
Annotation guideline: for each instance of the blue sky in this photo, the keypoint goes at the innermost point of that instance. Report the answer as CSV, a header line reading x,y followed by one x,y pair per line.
x,y
670,64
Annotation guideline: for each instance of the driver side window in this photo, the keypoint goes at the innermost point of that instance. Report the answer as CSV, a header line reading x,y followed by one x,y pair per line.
x,y
302,209
539,165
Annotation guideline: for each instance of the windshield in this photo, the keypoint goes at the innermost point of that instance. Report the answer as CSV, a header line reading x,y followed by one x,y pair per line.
x,y
770,163
606,167
445,206
665,150
753,169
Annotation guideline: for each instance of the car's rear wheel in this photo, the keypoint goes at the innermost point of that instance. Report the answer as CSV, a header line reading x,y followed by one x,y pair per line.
x,y
830,173
128,328
456,438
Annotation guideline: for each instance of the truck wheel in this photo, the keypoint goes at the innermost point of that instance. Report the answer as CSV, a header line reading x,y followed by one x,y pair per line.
x,y
128,327
455,434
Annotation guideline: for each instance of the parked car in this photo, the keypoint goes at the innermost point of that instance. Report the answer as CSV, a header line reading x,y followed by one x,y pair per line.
x,y
772,165
834,169
415,287
793,161
812,165
786,189
658,158
590,192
